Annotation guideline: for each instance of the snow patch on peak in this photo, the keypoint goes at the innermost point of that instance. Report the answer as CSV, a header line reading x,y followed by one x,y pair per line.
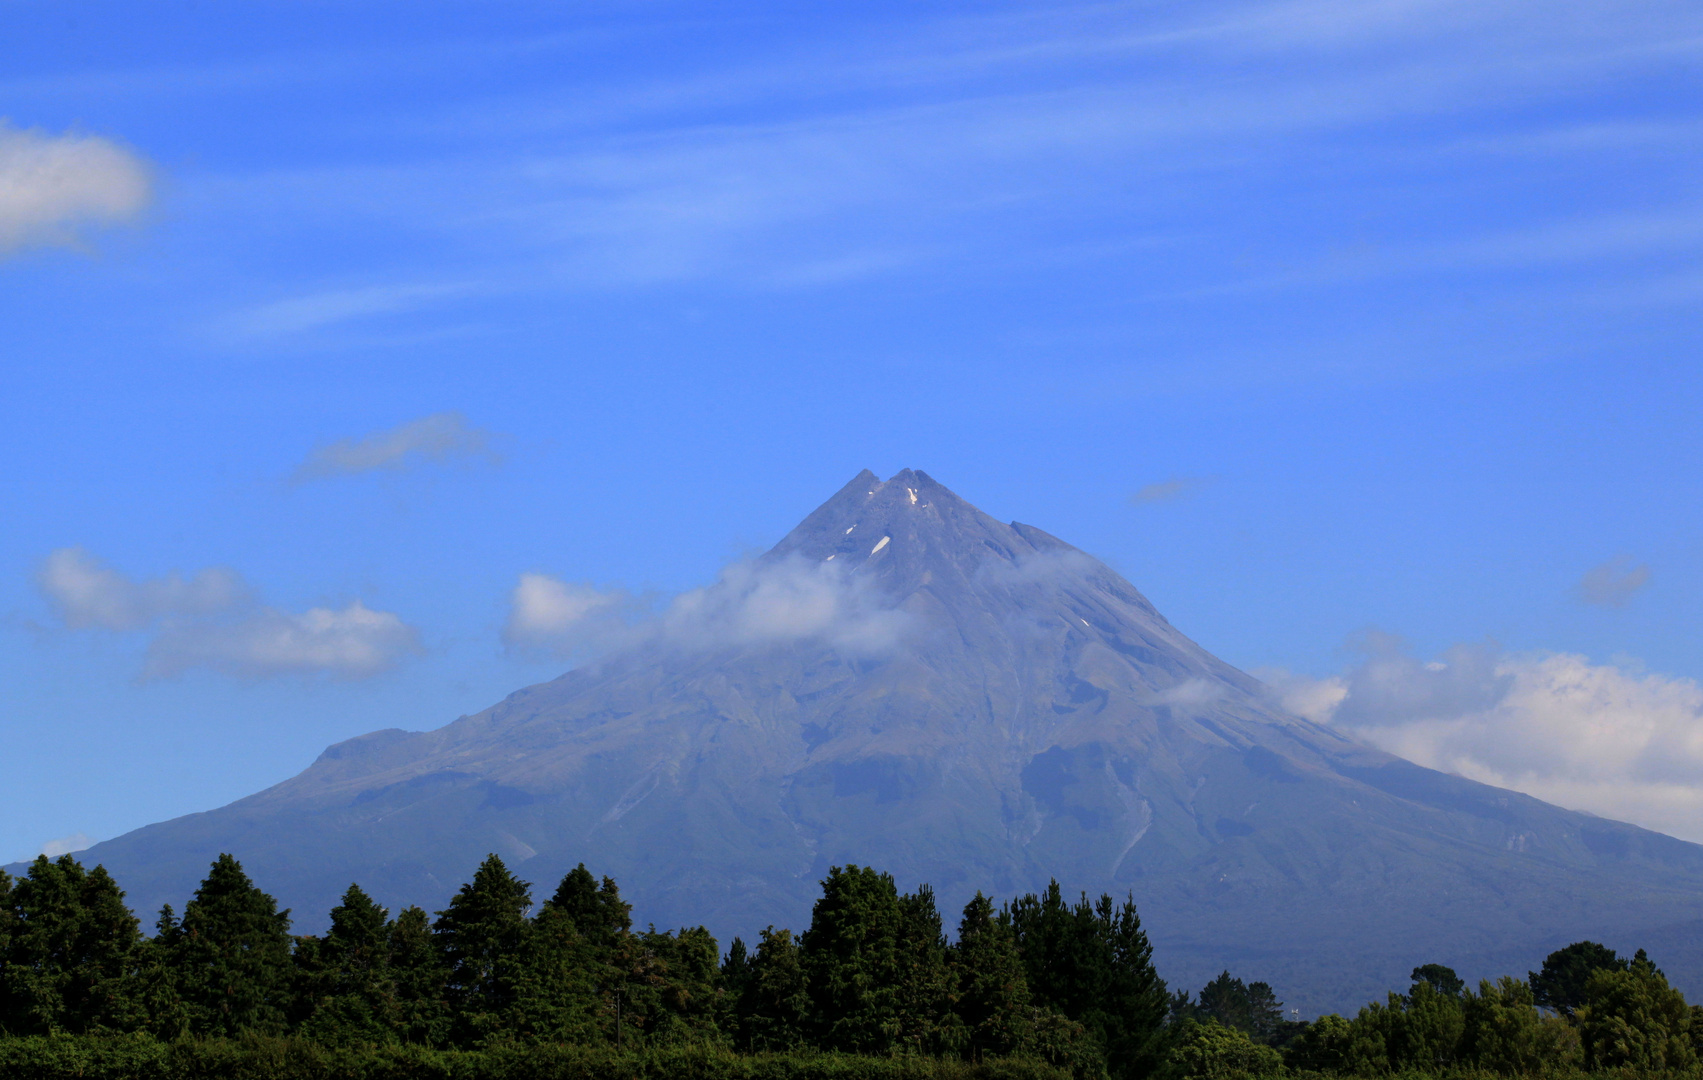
x,y
880,545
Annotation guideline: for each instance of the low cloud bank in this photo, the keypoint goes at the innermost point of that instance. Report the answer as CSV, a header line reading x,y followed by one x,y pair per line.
x,y
1608,738
752,603
440,437
54,187
212,620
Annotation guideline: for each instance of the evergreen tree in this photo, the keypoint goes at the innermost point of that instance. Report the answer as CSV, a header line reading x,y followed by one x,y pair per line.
x,y
734,977
231,956
168,1018
1251,1008
1632,1019
774,1003
993,990
421,1012
1441,979
679,1000
1092,962
1566,972
482,939
72,958
851,961
558,997
927,1023
598,911
345,992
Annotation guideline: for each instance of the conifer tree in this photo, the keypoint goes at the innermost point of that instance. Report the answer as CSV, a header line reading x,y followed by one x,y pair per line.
x,y
1560,985
927,1023
1092,962
482,939
231,956
421,1011
993,990
557,997
345,993
72,960
851,961
774,1005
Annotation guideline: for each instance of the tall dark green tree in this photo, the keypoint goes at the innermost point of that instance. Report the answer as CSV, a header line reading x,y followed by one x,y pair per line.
x,y
927,1021
1442,979
1092,962
422,1014
230,956
1566,973
596,908
70,953
558,996
482,940
345,993
852,964
774,1004
992,987
1251,1008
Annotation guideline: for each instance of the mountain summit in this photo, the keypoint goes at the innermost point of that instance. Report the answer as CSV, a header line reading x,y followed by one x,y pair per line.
x,y
907,683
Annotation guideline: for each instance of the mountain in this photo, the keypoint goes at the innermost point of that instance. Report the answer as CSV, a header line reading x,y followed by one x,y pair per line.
x,y
905,682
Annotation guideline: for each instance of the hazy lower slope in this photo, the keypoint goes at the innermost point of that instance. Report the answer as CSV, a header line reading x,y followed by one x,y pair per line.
x,y
905,682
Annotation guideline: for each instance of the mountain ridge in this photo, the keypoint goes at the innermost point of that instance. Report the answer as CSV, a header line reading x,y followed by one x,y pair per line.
x,y
904,682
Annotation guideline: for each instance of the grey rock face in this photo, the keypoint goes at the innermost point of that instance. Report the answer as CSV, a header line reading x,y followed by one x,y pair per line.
x,y
905,682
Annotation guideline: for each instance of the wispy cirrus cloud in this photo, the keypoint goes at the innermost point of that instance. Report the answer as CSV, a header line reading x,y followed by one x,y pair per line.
x,y
54,188
440,437
213,620
1173,490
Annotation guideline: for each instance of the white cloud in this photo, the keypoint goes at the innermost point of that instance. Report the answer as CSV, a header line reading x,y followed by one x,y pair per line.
x,y
752,603
212,620
88,593
353,643
53,186
789,599
67,845
439,437
1605,738
1612,583
566,617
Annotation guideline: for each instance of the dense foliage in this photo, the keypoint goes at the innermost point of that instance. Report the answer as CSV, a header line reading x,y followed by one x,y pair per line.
x,y
1038,988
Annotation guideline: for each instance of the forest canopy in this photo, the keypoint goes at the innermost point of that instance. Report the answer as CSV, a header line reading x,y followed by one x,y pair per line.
x,y
1038,985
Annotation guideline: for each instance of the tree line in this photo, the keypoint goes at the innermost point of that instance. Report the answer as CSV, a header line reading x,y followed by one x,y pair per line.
x,y
1065,984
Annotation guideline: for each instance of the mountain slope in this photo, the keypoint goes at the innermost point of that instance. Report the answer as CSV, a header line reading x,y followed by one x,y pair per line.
x,y
905,682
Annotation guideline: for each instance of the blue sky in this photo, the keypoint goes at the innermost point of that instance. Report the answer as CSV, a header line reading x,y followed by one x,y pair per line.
x,y
1313,317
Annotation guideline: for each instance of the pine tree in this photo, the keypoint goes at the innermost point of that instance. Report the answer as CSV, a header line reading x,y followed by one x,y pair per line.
x,y
1092,962
927,1023
1567,971
774,1007
73,955
993,990
231,957
482,939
